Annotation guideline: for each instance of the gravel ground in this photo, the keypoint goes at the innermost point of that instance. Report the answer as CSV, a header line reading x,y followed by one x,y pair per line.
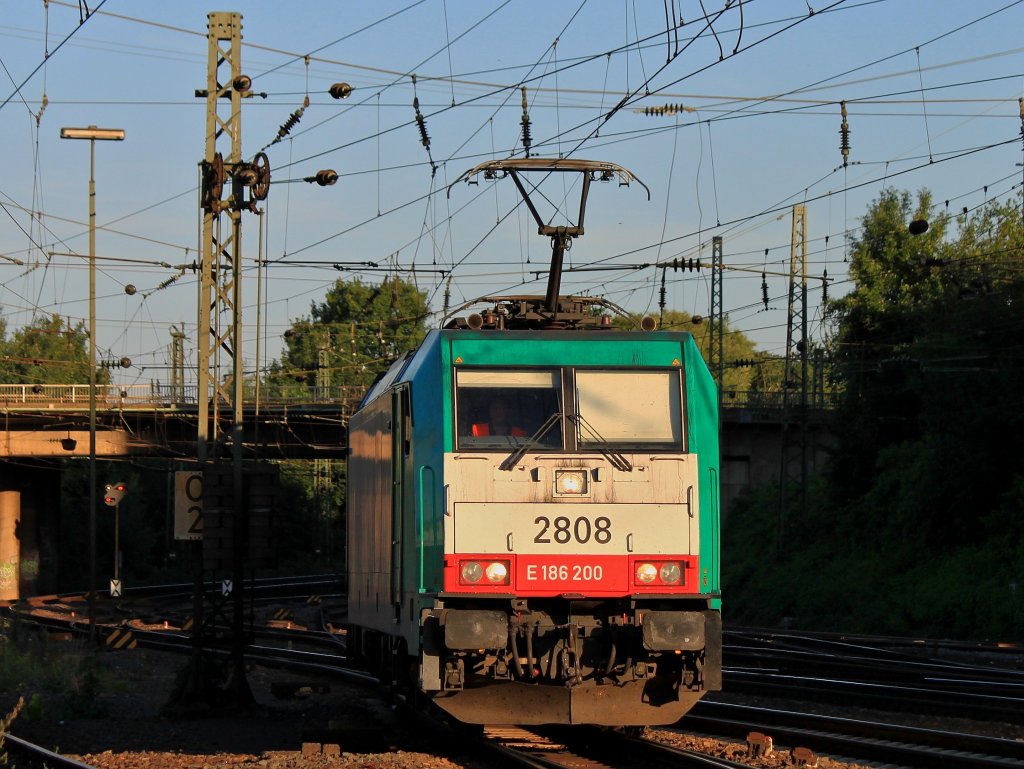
x,y
345,727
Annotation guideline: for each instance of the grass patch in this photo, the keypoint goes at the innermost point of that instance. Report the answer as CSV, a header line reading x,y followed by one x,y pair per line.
x,y
52,681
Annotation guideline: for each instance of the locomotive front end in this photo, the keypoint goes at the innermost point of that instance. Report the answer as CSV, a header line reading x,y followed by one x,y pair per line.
x,y
579,574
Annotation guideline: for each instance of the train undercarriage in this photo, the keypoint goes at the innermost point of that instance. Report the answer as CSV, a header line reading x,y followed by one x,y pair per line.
x,y
544,661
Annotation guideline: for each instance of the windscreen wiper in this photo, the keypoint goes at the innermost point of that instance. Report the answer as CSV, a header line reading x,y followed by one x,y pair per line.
x,y
616,458
532,442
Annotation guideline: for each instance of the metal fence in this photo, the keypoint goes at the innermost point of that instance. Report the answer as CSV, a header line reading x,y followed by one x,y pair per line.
x,y
75,397
772,401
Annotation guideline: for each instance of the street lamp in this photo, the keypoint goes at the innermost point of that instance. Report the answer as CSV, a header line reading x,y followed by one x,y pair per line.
x,y
92,133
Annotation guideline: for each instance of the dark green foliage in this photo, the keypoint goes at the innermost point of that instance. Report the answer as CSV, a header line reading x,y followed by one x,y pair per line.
x,y
917,526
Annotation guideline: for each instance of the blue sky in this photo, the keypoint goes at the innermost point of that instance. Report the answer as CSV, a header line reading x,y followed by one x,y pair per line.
x,y
931,86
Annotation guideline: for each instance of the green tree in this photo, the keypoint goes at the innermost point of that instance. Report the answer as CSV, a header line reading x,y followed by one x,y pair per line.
x,y
739,352
896,286
927,353
923,494
346,342
358,330
47,351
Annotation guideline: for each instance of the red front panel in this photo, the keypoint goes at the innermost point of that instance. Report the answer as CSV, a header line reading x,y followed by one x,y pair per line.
x,y
588,575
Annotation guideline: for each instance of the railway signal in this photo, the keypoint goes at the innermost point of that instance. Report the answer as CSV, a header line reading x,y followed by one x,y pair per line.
x,y
112,496
113,493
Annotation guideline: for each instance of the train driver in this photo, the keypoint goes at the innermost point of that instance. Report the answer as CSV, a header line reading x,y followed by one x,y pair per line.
x,y
499,421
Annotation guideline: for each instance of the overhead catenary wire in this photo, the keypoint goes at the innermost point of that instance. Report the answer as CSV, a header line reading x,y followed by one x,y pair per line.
x,y
563,107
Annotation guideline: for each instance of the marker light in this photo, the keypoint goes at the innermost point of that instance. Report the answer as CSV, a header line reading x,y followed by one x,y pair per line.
x,y
570,482
670,573
471,572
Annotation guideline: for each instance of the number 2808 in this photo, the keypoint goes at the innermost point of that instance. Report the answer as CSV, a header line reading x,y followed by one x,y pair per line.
x,y
563,530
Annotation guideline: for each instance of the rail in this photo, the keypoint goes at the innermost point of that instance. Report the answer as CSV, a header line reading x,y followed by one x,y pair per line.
x,y
75,397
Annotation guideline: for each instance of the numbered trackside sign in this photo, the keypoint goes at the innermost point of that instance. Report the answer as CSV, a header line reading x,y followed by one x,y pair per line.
x,y
188,504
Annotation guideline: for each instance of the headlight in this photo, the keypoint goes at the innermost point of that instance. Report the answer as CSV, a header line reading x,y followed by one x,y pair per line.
x,y
472,572
497,573
570,482
670,573
646,573
475,572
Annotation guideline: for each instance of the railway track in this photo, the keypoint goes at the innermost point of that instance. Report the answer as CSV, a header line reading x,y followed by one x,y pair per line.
x,y
587,748
828,670
27,755
317,649
867,740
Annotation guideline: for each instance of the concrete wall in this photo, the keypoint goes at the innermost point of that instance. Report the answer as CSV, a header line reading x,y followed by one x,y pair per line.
x,y
751,448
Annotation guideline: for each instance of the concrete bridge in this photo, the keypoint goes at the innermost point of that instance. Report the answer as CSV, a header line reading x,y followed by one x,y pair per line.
x,y
52,421
45,423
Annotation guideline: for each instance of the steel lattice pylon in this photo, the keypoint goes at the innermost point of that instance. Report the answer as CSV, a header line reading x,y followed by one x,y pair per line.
x,y
793,471
716,344
220,311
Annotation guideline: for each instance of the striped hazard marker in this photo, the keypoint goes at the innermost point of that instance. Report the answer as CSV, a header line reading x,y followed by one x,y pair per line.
x,y
121,638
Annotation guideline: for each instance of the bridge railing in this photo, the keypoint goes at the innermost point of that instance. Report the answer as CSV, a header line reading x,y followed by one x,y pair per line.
x,y
772,401
75,397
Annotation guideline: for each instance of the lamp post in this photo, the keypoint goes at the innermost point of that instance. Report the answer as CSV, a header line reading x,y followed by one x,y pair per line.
x,y
92,133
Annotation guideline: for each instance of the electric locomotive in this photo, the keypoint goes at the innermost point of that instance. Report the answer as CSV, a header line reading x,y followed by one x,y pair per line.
x,y
533,528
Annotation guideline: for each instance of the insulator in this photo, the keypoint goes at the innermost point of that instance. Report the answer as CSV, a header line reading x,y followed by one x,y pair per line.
x,y
661,300
824,286
667,109
421,123
289,124
340,90
698,264
844,135
764,290
326,177
527,139
169,282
